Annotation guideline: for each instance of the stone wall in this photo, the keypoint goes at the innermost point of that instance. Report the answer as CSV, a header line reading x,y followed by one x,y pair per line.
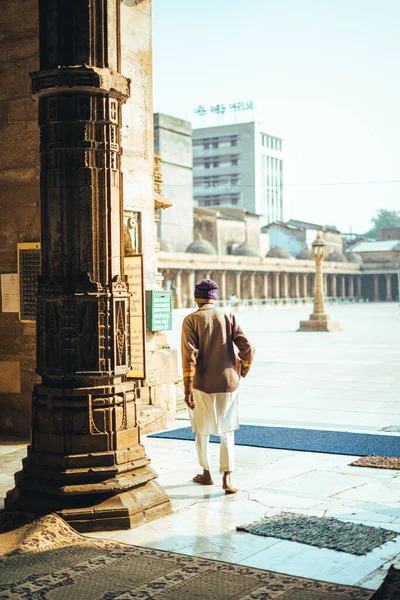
x,y
158,394
19,200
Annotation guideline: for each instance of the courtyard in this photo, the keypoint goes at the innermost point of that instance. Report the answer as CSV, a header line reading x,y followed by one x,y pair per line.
x,y
344,381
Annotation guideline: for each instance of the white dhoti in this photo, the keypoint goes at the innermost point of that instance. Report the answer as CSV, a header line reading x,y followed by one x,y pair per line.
x,y
215,414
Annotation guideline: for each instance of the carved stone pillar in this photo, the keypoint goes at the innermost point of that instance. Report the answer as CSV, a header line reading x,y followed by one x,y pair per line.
x,y
191,275
266,285
376,288
222,291
342,286
325,276
238,285
304,286
389,296
275,285
85,460
334,285
351,286
285,286
319,320
178,288
252,282
296,286
359,286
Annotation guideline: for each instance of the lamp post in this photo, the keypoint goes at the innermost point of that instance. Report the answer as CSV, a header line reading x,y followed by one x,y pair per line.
x,y
319,320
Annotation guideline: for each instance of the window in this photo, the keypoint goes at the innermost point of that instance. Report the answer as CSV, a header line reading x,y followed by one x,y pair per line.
x,y
215,145
206,146
234,180
234,142
207,164
216,163
234,162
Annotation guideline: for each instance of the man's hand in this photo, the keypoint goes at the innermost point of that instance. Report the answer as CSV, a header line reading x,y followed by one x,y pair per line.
x,y
190,400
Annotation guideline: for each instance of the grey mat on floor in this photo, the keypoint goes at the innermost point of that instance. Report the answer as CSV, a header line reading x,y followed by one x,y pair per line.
x,y
322,532
310,440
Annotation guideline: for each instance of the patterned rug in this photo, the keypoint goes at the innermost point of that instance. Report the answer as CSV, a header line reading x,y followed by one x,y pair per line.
x,y
377,462
323,532
47,560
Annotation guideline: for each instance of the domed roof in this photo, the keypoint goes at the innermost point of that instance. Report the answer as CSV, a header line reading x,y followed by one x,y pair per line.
x,y
164,246
278,252
201,247
304,254
336,257
245,250
354,258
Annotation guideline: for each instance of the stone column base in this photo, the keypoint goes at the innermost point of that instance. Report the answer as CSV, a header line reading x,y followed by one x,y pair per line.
x,y
103,512
322,325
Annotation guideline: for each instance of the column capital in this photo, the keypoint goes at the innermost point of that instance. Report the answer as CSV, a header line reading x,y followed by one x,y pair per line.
x,y
86,79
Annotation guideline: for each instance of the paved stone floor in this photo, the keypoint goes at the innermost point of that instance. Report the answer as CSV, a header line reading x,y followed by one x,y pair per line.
x,y
345,380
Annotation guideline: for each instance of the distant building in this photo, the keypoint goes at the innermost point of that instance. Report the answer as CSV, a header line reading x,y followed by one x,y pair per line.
x,y
390,233
225,231
239,165
297,236
382,252
173,142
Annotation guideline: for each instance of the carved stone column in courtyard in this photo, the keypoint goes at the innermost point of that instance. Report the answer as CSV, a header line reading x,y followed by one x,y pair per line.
x,y
359,286
376,288
222,294
389,296
252,282
285,286
85,460
319,320
275,285
351,286
296,286
342,286
334,285
304,286
325,284
266,285
191,279
178,288
238,285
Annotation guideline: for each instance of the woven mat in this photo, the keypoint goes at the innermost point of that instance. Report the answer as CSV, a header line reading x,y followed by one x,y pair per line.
x,y
377,462
51,561
322,532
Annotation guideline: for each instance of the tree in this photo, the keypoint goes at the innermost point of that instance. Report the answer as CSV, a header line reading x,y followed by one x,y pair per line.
x,y
383,219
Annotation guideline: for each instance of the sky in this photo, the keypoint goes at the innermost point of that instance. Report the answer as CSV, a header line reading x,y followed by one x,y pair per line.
x,y
322,74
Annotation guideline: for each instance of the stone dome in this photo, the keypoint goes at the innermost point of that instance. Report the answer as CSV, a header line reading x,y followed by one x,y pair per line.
x,y
201,247
354,258
336,257
245,250
304,254
278,252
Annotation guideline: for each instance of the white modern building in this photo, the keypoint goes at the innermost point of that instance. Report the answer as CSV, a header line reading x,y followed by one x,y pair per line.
x,y
239,165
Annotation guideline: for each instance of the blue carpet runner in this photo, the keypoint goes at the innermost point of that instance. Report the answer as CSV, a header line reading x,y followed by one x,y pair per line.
x,y
308,440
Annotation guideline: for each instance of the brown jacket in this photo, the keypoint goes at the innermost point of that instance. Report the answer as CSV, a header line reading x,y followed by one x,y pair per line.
x,y
209,337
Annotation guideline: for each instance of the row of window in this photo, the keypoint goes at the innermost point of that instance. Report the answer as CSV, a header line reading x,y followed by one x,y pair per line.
x,y
214,162
216,181
217,200
268,141
216,142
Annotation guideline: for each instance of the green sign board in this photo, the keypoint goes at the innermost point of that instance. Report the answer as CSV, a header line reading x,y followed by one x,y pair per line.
x,y
158,310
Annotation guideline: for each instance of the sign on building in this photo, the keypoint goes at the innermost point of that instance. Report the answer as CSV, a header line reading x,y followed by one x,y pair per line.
x,y
133,267
158,310
29,267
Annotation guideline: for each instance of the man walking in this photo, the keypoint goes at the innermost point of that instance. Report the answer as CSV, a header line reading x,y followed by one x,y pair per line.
x,y
215,354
